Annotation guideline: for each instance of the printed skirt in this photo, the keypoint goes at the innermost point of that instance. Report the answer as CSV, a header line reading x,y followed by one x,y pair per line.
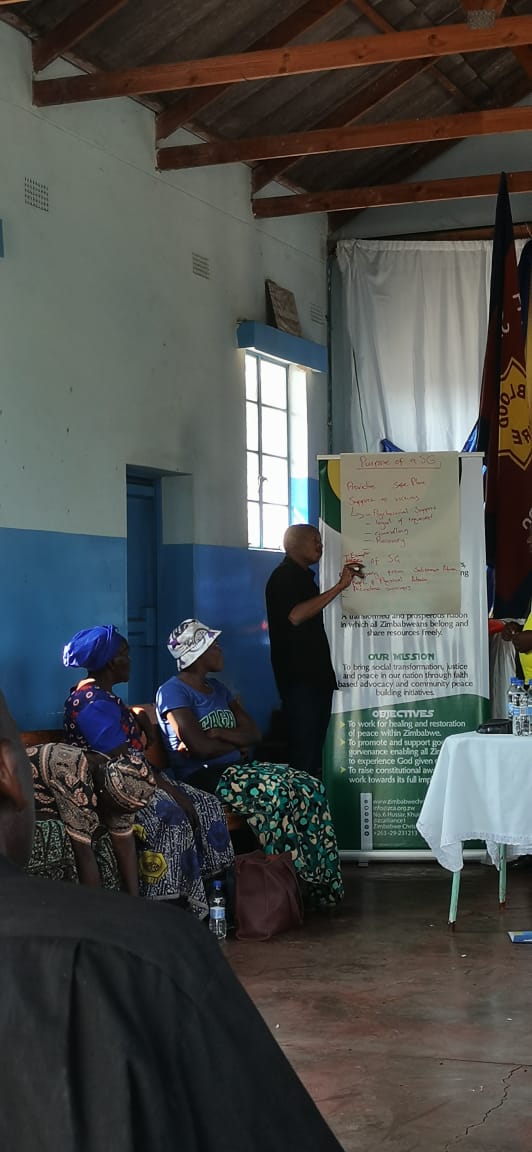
x,y
52,855
174,859
288,812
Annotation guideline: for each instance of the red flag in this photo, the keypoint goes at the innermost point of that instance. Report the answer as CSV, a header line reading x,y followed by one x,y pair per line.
x,y
504,430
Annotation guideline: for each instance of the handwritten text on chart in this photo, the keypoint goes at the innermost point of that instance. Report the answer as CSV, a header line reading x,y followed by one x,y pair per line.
x,y
402,522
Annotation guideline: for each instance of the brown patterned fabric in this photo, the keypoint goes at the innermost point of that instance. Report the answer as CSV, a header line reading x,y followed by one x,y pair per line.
x,y
127,783
67,789
64,789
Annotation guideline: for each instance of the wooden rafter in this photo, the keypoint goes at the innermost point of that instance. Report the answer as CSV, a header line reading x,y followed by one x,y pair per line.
x,y
17,19
72,29
407,163
524,56
184,111
422,192
521,232
324,140
356,52
404,165
402,168
371,14
364,100
482,6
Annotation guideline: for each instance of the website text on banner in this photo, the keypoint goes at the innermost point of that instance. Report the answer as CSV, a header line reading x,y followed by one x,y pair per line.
x,y
400,516
406,681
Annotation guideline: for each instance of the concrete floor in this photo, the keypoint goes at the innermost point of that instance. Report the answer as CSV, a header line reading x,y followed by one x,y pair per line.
x,y
409,1038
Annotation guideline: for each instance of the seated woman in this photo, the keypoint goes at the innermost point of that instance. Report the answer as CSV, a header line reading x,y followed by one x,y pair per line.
x,y
208,733
182,835
85,807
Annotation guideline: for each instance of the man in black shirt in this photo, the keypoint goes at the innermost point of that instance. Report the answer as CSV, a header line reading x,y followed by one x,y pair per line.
x,y
300,654
122,1027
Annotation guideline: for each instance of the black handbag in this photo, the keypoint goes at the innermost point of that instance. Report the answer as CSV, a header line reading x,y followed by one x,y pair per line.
x,y
496,728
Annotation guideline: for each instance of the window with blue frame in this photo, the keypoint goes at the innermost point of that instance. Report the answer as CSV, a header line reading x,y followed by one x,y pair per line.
x,y
276,443
268,479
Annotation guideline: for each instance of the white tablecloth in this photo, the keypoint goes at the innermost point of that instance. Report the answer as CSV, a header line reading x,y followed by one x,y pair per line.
x,y
481,789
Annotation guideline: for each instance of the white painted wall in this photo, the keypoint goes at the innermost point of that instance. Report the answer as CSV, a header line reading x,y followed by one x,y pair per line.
x,y
112,351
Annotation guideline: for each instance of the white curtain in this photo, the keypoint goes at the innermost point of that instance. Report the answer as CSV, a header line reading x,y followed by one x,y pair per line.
x,y
410,341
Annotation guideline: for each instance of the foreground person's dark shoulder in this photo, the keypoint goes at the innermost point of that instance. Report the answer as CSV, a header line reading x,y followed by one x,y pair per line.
x,y
149,930
127,1029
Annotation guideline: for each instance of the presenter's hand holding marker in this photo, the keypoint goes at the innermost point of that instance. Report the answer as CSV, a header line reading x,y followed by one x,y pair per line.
x,y
354,568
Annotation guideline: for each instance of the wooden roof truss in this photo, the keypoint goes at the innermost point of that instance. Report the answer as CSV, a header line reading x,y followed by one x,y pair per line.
x,y
393,61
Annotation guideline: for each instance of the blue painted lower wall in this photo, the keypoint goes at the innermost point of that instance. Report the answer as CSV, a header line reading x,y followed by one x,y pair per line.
x,y
229,587
51,585
176,597
223,587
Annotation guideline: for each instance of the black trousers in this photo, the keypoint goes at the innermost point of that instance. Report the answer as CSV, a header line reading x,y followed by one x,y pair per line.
x,y
306,710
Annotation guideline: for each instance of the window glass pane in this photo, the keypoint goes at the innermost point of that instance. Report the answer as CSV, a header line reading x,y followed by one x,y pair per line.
x,y
251,377
274,432
252,426
253,475
275,475
273,384
274,525
253,526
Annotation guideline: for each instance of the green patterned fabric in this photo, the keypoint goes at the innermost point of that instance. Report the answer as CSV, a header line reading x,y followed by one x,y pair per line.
x,y
52,855
288,812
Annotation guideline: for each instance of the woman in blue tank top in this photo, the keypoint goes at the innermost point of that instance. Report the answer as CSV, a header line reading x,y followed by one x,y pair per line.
x,y
208,735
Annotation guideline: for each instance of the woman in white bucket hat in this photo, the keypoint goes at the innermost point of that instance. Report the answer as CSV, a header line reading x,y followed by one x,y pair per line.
x,y
207,734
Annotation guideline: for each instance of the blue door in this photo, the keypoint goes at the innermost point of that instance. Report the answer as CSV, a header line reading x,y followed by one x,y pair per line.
x,y
142,542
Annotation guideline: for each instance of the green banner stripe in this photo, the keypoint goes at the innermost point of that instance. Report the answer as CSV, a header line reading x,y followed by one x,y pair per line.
x,y
329,502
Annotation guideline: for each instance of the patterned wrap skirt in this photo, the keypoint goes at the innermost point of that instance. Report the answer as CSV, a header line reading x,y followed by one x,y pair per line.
x,y
52,855
174,859
288,812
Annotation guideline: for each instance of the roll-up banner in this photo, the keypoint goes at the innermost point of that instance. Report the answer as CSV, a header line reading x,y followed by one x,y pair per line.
x,y
409,674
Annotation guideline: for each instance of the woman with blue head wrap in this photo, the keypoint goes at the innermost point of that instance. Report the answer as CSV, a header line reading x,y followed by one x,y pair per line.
x,y
182,836
93,648
104,652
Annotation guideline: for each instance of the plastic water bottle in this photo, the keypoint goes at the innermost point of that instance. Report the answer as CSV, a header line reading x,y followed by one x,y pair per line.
x,y
510,698
520,716
513,698
217,920
525,711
